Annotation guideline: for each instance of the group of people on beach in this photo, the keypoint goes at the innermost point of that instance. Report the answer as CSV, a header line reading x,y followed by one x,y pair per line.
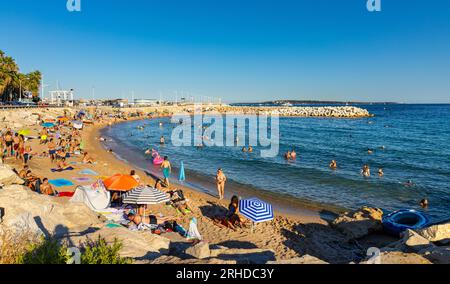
x,y
61,141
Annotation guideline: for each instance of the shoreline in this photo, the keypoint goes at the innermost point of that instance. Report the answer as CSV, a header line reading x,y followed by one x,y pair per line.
x,y
283,203
295,211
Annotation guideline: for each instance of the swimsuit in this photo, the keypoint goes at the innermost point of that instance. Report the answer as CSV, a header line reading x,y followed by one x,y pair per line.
x,y
166,172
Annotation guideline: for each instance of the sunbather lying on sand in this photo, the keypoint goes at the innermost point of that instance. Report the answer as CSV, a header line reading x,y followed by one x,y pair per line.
x,y
87,159
62,165
137,219
179,202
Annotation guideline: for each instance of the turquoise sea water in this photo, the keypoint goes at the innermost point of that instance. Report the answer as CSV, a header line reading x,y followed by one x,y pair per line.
x,y
416,141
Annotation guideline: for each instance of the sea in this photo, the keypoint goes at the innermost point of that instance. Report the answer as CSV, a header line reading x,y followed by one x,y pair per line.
x,y
409,142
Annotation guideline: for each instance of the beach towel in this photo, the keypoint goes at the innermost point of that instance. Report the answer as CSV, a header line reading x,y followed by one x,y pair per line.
x,y
65,194
82,179
88,172
60,182
113,225
62,170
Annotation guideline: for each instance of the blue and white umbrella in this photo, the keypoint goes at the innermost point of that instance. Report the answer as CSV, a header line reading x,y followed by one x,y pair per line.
x,y
256,210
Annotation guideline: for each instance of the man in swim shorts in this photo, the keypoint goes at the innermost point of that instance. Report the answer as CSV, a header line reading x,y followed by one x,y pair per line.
x,y
167,169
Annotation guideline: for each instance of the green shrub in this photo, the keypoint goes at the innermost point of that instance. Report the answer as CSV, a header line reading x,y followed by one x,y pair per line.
x,y
46,251
99,252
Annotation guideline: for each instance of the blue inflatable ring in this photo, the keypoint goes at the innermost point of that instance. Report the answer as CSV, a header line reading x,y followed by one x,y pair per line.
x,y
398,221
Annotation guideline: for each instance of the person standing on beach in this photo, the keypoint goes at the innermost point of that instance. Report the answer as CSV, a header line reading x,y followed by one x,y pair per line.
x,y
220,181
167,169
51,149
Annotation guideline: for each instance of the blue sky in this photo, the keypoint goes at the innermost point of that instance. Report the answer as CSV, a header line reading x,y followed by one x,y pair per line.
x,y
240,50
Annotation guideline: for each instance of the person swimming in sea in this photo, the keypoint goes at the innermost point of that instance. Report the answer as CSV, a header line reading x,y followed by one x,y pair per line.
x,y
288,155
365,171
250,149
370,151
244,149
380,172
424,203
333,165
409,183
162,140
293,155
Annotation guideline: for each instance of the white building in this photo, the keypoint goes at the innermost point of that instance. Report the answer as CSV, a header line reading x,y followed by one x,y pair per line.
x,y
145,102
61,97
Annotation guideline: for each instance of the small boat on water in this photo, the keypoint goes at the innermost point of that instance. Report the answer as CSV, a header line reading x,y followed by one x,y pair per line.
x,y
401,220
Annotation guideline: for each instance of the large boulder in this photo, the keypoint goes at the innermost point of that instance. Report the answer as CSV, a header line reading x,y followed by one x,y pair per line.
x,y
437,233
8,176
306,259
437,255
411,242
27,211
200,250
398,257
139,245
359,223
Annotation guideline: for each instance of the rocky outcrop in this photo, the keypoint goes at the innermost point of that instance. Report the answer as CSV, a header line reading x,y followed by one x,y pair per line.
x,y
330,111
200,250
28,212
398,257
412,243
8,176
437,255
306,259
359,223
437,233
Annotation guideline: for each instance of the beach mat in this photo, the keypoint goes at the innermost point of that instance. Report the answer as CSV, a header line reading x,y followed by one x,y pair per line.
x,y
62,170
88,172
60,182
65,194
82,179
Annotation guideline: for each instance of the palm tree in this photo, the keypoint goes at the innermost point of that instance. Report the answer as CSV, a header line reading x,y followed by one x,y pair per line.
x,y
13,83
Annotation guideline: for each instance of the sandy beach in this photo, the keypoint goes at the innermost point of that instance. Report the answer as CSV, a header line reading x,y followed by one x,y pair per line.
x,y
289,236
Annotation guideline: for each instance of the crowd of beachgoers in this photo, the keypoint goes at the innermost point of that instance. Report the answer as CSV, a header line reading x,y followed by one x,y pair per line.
x,y
50,149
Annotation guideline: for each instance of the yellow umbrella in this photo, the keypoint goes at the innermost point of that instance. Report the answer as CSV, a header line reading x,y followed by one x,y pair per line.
x,y
24,132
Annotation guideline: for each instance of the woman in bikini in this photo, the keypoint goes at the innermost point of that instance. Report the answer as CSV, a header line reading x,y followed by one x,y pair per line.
x,y
220,181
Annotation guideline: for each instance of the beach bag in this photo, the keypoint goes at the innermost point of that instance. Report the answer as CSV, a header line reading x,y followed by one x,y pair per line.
x,y
193,232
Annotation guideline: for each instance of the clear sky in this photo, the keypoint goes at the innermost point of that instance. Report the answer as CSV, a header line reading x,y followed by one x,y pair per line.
x,y
241,50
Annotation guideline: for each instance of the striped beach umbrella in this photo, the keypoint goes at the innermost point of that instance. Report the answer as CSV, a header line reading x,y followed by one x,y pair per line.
x,y
145,196
256,210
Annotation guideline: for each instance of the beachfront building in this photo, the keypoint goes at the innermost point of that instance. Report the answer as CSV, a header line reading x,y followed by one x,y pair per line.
x,y
145,102
61,98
